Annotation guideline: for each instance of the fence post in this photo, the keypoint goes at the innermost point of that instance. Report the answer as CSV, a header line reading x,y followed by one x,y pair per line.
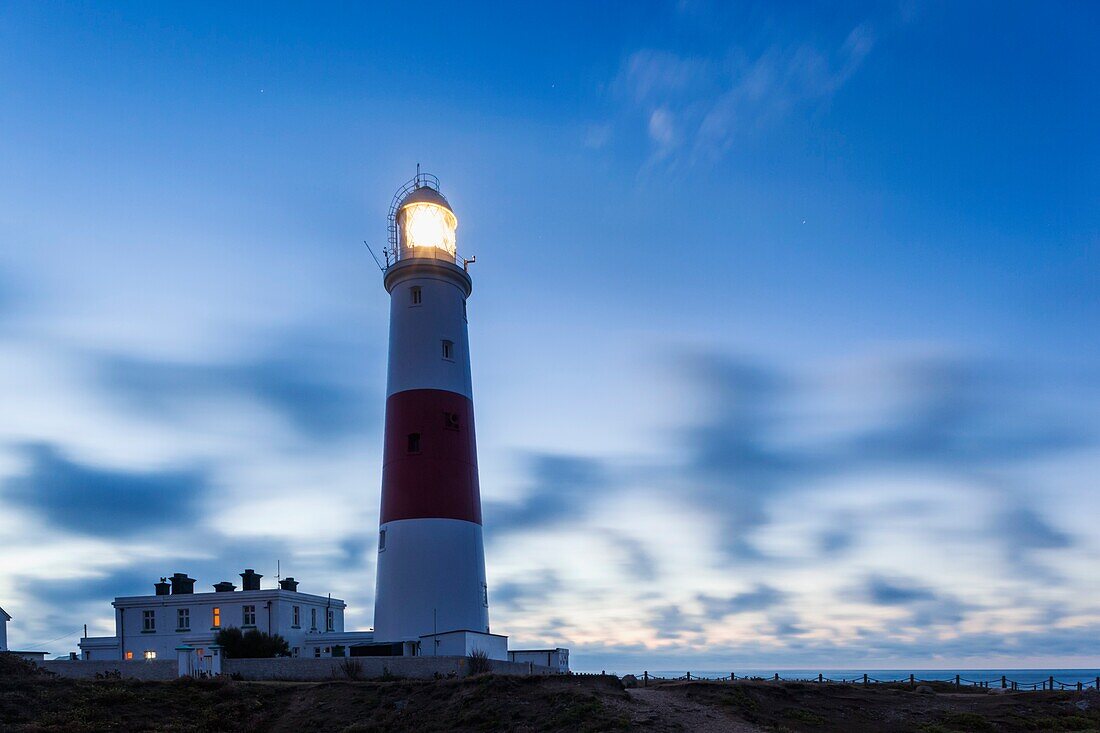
x,y
645,678
689,676
732,676
1003,683
1052,683
912,681
820,676
864,678
1078,685
957,682
776,678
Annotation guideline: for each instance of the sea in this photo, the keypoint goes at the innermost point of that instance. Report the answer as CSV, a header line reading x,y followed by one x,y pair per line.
x,y
1025,678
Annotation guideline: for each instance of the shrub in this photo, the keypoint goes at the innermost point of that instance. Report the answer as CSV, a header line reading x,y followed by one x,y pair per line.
x,y
254,644
351,668
478,663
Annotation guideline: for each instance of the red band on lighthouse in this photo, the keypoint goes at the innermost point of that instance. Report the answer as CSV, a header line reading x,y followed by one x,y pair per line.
x,y
429,468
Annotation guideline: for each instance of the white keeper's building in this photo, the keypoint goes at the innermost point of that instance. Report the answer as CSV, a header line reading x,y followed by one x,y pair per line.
x,y
151,627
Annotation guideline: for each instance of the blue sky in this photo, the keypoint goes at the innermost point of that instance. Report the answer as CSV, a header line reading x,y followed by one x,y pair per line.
x,y
782,324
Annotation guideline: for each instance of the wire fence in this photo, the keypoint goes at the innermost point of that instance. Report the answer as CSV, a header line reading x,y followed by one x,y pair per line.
x,y
959,682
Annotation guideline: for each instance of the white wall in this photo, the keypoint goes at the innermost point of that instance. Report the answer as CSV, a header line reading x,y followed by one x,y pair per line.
x,y
3,632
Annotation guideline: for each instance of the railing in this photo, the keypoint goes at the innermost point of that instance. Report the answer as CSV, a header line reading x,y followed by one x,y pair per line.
x,y
958,681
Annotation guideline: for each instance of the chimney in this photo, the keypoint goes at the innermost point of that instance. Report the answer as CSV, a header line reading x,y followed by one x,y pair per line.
x,y
162,587
288,584
250,580
181,584
224,587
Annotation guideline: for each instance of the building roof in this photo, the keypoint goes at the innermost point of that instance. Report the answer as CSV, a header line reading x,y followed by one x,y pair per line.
x,y
5,614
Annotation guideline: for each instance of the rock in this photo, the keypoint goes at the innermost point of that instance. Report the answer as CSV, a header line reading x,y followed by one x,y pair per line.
x,y
925,690
401,704
629,681
999,690
1083,705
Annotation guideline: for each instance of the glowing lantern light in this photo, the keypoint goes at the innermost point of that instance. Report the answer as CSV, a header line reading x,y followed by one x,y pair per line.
x,y
427,225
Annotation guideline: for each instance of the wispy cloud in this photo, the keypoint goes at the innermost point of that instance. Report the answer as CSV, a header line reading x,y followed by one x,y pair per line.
x,y
696,108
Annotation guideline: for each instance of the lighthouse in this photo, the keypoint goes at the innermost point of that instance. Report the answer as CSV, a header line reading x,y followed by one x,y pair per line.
x,y
431,556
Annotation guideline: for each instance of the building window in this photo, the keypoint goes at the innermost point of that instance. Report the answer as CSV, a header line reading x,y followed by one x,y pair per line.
x,y
448,350
294,652
129,655
296,616
216,619
248,615
183,619
330,619
317,652
415,295
313,619
413,443
150,654
381,540
450,420
148,620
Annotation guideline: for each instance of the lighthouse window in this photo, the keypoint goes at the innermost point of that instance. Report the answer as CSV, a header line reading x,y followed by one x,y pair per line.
x,y
381,540
449,350
415,295
450,420
414,443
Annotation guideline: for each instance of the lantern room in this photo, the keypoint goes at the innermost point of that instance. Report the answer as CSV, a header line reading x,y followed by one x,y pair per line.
x,y
424,224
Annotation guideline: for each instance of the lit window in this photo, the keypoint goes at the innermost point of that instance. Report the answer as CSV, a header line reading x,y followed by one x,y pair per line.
x,y
313,619
150,654
148,620
217,618
183,619
129,655
415,295
448,349
296,615
248,615
414,443
381,540
330,620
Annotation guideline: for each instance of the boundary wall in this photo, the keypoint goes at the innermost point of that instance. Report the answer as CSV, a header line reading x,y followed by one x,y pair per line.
x,y
295,669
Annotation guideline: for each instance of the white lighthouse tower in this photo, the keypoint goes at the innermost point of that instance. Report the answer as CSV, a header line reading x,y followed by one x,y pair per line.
x,y
431,557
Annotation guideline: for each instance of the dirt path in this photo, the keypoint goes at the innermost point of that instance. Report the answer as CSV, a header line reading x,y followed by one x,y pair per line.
x,y
663,710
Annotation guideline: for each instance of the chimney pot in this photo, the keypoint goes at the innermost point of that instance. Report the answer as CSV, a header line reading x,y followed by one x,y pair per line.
x,y
181,584
250,579
288,584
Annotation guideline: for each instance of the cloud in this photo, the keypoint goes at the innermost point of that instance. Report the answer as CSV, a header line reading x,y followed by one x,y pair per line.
x,y
926,607
522,595
892,592
760,598
561,487
104,502
292,386
763,438
702,106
